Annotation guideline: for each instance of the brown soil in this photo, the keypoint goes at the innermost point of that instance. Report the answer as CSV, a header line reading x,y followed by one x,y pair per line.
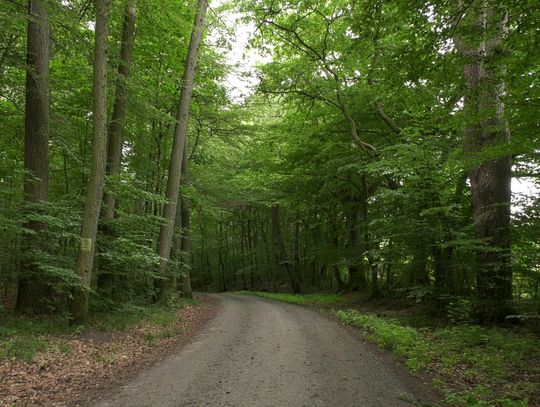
x,y
96,362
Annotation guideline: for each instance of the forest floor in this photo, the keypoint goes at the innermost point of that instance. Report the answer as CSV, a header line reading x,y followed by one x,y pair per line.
x,y
471,365
47,363
261,352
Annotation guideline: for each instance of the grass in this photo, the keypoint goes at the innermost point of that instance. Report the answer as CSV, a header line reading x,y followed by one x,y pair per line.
x,y
21,338
131,315
306,299
476,366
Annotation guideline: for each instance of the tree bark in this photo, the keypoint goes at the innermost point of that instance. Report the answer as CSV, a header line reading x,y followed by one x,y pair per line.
x,y
94,196
281,251
31,289
357,275
491,180
185,222
116,126
175,166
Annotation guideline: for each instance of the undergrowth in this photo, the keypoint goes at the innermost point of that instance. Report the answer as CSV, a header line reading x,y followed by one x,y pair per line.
x,y
477,366
21,338
305,299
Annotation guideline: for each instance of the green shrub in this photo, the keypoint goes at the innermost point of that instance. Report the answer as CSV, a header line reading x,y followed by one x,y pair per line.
x,y
493,366
402,340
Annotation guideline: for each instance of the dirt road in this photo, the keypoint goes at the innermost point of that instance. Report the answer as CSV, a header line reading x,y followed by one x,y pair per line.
x,y
258,353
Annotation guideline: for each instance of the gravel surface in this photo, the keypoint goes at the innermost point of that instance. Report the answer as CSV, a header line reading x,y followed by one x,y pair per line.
x,y
258,352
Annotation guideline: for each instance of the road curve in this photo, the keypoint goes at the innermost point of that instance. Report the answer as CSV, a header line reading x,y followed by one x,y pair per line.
x,y
261,353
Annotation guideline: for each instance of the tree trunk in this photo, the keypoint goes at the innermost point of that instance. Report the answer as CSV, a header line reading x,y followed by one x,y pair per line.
x,y
185,243
175,166
357,276
281,251
297,262
490,181
116,126
442,265
335,268
31,293
250,251
94,197
243,255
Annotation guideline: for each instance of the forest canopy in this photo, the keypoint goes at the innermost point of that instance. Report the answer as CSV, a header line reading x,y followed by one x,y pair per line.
x,y
380,151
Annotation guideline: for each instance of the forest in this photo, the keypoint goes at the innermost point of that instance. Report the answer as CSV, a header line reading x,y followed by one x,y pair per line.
x,y
377,149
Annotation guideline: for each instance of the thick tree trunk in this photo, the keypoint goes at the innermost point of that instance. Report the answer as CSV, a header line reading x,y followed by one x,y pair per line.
x,y
94,197
31,293
175,166
491,180
116,128
185,215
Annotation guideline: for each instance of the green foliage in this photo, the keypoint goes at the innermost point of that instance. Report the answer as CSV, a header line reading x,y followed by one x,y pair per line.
x,y
459,310
306,299
22,338
402,340
489,366
22,348
130,315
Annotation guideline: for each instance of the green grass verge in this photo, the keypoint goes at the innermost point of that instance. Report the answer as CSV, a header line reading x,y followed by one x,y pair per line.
x,y
21,338
131,315
476,366
306,299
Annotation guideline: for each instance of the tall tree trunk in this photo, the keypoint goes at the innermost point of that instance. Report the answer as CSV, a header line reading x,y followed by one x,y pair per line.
x,y
280,250
296,248
94,196
335,268
185,243
243,255
375,291
175,166
116,127
357,275
442,266
481,48
250,251
31,290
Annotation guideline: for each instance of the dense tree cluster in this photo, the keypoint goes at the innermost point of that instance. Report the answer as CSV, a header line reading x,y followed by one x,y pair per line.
x,y
376,155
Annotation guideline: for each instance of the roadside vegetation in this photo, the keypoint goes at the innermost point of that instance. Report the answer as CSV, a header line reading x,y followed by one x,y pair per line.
x,y
472,365
306,299
22,338
37,356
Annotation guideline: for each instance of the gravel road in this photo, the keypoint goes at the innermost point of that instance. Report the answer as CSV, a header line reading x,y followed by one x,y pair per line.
x,y
258,352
